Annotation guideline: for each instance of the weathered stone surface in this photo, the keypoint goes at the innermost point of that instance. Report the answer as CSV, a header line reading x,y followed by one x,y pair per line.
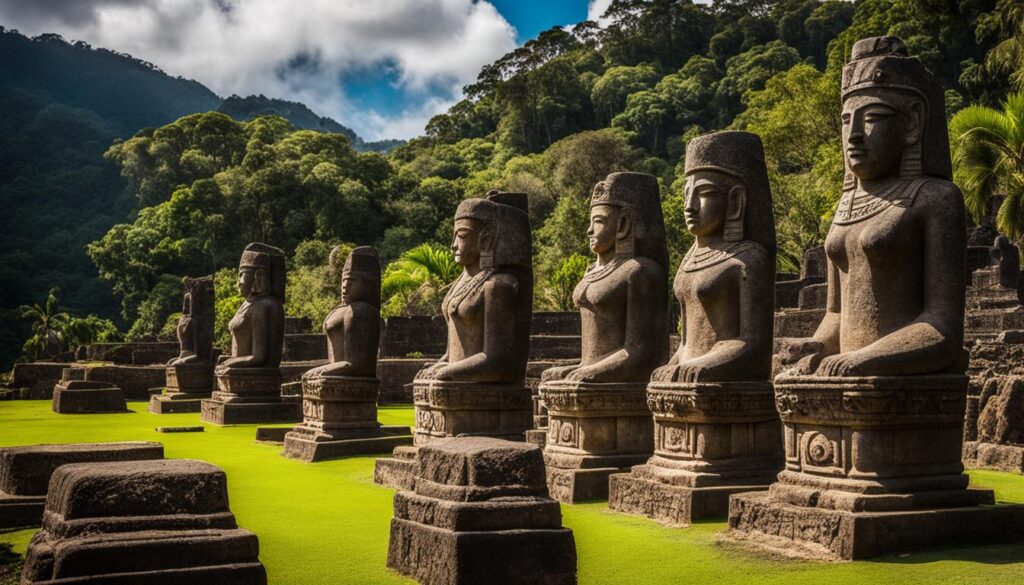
x,y
141,522
134,381
138,353
479,515
82,397
396,376
1001,420
36,380
236,413
447,409
419,335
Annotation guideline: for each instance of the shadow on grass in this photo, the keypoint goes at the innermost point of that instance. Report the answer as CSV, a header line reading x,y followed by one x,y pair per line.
x,y
10,565
992,554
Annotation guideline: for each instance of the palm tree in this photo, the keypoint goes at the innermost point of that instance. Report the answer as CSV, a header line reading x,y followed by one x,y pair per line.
x,y
988,158
418,277
1008,55
48,324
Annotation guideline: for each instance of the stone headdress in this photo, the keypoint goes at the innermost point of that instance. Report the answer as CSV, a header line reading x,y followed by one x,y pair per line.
x,y
505,215
270,261
364,261
638,192
884,63
741,156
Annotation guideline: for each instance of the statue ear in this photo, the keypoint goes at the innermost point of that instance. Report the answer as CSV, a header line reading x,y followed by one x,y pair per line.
x,y
736,206
625,227
915,122
486,240
260,286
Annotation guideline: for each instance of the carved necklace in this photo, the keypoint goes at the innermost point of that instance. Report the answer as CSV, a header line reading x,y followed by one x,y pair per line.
x,y
699,258
594,275
465,288
854,207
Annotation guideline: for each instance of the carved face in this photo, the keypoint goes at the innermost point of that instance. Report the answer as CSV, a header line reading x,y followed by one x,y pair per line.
x,y
604,226
466,241
875,132
246,281
355,286
707,203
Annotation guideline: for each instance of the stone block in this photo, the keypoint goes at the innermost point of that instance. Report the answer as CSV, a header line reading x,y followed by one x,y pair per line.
x,y
36,379
448,409
82,397
236,413
134,381
978,455
147,522
396,376
479,515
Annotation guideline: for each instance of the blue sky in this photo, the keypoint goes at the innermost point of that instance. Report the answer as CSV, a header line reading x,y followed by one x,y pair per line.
x,y
381,67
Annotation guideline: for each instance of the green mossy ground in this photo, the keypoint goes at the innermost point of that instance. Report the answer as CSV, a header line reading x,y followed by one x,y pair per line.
x,y
327,523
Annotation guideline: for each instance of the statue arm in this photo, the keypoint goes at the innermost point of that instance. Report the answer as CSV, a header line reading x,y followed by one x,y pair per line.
x,y
932,342
807,353
631,362
260,318
670,371
362,340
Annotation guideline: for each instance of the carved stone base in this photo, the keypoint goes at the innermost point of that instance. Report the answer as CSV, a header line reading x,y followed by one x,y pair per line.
x,y
449,409
21,511
594,430
309,446
397,471
978,455
758,520
710,440
537,437
248,385
235,413
82,397
168,404
192,381
873,466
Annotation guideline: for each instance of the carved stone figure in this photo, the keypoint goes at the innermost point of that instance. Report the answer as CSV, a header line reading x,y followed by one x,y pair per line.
x,y
158,521
597,412
716,431
190,375
339,399
249,380
479,513
873,404
478,386
1006,256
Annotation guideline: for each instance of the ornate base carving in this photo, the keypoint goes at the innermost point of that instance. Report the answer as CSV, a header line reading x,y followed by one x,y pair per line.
x,y
398,470
233,413
449,409
710,440
978,455
190,381
83,397
594,430
873,466
260,385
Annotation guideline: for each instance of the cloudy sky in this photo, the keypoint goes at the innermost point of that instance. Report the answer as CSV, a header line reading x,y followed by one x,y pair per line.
x,y
381,67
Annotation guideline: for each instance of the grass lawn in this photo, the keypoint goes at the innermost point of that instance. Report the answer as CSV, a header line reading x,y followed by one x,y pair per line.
x,y
327,523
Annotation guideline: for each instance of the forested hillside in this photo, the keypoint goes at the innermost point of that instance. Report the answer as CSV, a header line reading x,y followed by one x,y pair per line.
x,y
551,119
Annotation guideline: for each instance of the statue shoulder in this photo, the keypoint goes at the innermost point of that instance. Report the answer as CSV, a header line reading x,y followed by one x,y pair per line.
x,y
752,253
937,194
643,269
502,282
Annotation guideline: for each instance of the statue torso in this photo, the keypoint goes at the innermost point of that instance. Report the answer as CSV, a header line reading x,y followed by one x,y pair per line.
x,y
242,325
463,310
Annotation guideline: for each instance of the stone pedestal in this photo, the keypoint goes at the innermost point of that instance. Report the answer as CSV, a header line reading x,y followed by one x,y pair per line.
x,y
872,467
449,409
82,397
340,419
154,522
978,455
25,473
479,514
711,440
594,430
187,386
249,395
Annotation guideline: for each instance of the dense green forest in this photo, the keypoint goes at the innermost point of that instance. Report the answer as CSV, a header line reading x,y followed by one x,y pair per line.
x,y
551,118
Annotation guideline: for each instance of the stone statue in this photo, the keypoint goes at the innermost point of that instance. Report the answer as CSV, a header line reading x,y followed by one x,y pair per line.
x,y
1006,256
716,431
190,375
873,406
249,380
623,305
478,387
339,399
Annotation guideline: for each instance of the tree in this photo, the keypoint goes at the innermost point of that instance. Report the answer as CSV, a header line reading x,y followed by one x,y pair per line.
x,y
414,283
562,282
48,323
987,147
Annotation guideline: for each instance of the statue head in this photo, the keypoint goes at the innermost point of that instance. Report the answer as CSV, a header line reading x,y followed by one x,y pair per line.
x,y
360,278
261,272
727,189
493,232
625,216
894,117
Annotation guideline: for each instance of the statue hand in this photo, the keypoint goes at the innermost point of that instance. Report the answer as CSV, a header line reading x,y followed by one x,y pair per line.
x,y
842,364
690,373
557,372
312,373
582,374
803,355
669,373
442,373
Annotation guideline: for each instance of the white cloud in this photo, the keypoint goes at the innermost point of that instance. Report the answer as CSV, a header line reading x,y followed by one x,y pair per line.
x,y
434,47
596,9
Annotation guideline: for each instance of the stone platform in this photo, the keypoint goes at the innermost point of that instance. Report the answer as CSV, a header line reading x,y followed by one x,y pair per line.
x,y
237,413
25,473
82,397
187,386
249,395
711,440
447,409
480,514
165,404
153,522
594,430
873,467
978,455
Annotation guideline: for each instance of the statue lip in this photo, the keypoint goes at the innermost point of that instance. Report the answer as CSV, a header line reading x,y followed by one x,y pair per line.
x,y
857,151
